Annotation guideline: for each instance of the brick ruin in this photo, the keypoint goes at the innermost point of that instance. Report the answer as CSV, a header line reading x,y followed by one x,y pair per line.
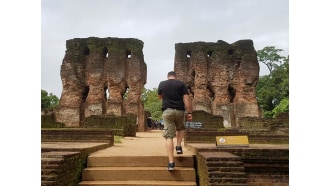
x,y
221,77
102,76
106,76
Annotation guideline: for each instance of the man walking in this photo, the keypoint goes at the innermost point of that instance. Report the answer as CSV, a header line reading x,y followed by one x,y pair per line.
x,y
175,106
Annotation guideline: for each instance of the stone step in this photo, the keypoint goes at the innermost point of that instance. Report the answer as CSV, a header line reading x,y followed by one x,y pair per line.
x,y
138,183
138,173
232,169
139,161
49,171
51,160
224,163
48,183
49,166
50,177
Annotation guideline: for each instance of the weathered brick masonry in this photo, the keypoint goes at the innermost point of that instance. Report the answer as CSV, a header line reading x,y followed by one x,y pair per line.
x,y
64,153
96,73
62,168
220,168
220,77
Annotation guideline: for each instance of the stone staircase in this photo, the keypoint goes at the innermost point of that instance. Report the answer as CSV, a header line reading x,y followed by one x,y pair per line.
x,y
221,168
49,171
60,168
138,171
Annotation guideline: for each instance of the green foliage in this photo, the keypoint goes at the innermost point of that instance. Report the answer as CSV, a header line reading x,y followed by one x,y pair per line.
x,y
118,139
270,57
152,103
48,101
273,89
282,107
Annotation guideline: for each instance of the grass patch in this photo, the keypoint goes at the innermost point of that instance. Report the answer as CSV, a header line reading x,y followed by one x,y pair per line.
x,y
118,139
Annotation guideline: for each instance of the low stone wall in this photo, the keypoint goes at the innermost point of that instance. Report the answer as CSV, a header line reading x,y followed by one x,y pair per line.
x,y
64,153
207,120
48,121
121,125
278,126
62,163
255,136
78,135
265,161
220,168
258,130
263,164
62,168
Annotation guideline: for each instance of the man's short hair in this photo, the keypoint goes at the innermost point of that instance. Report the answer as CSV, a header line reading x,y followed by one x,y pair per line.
x,y
171,73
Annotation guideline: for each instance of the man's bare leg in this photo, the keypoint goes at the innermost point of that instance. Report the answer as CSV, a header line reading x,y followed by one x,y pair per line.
x,y
170,148
179,137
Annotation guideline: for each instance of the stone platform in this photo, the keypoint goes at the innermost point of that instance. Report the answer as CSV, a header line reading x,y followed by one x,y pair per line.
x,y
145,154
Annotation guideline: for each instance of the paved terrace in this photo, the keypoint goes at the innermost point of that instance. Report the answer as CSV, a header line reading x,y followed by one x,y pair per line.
x,y
150,143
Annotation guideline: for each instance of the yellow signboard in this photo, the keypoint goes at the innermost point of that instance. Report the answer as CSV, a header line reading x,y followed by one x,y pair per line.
x,y
230,141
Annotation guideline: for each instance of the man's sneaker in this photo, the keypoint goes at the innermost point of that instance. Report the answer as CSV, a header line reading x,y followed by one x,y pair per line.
x,y
178,149
171,166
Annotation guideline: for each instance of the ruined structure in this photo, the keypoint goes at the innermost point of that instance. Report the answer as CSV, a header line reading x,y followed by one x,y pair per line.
x,y
221,77
102,76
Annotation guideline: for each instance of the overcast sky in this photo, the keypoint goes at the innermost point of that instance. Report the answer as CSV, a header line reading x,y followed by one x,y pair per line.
x,y
159,24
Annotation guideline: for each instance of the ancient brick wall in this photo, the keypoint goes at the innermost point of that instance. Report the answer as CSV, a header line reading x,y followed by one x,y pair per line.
x,y
230,166
221,77
62,168
120,125
220,168
88,135
96,73
258,130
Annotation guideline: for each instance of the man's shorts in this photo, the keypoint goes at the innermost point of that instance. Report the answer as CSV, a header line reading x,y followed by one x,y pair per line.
x,y
174,120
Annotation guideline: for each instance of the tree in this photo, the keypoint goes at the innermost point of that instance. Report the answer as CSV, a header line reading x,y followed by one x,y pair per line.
x,y
273,89
270,57
152,103
48,101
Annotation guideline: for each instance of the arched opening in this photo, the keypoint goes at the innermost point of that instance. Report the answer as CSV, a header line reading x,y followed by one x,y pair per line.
x,y
193,74
188,54
106,93
125,94
192,79
209,53
128,54
208,87
230,51
105,52
85,94
231,93
86,51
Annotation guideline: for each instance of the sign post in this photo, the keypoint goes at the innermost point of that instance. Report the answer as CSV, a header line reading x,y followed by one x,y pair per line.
x,y
232,141
193,124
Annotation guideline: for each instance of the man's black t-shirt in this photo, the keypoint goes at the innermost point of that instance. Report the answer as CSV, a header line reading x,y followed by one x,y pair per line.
x,y
172,92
